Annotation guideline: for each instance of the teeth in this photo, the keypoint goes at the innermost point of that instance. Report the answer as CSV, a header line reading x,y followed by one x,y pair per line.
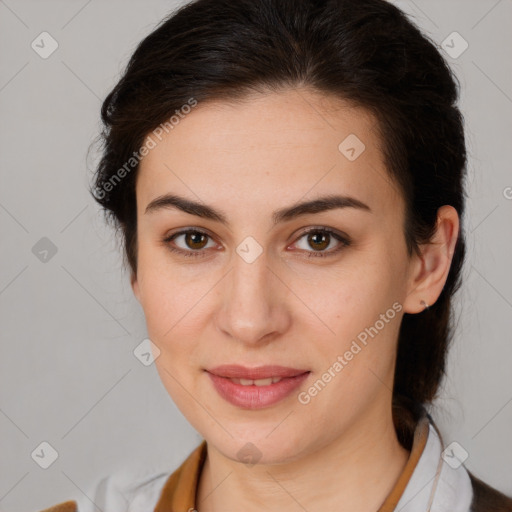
x,y
257,382
263,382
249,382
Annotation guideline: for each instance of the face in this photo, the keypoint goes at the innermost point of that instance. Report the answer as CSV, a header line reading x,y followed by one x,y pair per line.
x,y
317,289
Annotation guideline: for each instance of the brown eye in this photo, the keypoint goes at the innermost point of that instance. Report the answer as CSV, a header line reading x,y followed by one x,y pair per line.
x,y
195,240
190,242
315,241
318,240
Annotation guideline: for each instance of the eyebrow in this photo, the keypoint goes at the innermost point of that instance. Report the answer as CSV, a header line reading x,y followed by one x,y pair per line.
x,y
320,204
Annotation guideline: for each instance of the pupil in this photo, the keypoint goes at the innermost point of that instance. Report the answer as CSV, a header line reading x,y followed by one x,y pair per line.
x,y
322,236
195,238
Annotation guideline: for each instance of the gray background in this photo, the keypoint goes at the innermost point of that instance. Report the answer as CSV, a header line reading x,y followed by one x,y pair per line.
x,y
69,325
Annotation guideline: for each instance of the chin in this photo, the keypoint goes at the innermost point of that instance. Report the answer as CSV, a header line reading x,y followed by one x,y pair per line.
x,y
258,447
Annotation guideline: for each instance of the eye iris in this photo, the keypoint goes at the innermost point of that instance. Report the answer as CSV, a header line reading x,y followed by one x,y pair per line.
x,y
319,238
193,238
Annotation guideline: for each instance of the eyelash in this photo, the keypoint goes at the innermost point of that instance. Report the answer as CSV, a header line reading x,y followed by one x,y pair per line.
x,y
344,242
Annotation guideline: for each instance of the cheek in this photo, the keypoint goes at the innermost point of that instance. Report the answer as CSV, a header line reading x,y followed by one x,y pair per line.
x,y
360,307
175,316
165,298
356,365
354,298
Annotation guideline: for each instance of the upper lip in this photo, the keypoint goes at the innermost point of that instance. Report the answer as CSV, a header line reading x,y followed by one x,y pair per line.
x,y
234,371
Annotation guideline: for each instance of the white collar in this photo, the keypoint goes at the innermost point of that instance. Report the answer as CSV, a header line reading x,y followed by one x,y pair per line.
x,y
436,486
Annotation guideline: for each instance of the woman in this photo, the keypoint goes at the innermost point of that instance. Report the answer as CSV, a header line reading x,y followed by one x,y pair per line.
x,y
288,178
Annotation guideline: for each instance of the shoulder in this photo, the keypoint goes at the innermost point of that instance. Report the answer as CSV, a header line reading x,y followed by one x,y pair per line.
x,y
487,499
126,490
65,506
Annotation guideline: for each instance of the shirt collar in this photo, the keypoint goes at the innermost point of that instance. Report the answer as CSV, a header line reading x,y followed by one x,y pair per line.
x,y
425,480
440,481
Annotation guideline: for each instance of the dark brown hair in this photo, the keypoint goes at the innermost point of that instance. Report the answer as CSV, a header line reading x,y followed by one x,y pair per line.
x,y
364,51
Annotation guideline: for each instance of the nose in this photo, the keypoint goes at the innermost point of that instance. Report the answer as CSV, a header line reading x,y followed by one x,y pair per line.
x,y
254,305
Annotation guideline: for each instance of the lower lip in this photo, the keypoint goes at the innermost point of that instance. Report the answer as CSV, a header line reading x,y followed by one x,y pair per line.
x,y
256,397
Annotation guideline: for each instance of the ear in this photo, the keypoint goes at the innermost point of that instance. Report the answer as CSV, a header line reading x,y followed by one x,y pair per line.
x,y
429,270
135,285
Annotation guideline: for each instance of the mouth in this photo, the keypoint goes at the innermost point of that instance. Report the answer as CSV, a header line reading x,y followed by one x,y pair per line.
x,y
256,388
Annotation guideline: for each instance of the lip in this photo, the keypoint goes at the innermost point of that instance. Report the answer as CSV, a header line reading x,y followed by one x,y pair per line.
x,y
235,371
252,396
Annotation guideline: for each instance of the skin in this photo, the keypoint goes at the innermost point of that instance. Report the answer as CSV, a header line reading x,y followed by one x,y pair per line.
x,y
247,159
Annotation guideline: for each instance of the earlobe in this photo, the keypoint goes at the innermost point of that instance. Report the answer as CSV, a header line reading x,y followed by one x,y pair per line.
x,y
432,267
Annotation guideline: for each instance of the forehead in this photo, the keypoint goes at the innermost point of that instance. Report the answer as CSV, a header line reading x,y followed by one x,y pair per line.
x,y
267,150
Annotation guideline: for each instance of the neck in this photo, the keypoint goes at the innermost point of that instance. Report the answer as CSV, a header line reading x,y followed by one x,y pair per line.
x,y
356,471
